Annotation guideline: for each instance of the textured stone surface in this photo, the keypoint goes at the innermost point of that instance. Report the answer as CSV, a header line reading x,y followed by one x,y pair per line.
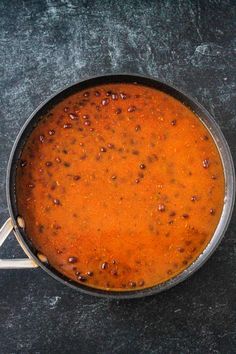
x,y
45,45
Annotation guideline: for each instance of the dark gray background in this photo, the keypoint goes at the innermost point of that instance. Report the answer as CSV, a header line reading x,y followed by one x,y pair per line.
x,y
48,44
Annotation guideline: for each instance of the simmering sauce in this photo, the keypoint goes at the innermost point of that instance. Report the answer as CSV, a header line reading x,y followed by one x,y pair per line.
x,y
120,186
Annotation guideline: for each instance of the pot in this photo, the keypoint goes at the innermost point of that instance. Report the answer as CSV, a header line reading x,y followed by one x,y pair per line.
x,y
12,224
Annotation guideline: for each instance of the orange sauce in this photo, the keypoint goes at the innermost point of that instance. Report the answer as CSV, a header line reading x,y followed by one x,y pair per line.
x,y
121,187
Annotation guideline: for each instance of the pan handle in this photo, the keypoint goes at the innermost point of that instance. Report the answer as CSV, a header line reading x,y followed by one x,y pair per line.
x,y
13,263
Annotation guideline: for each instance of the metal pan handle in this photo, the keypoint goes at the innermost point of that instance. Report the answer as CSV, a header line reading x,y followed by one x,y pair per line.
x,y
13,263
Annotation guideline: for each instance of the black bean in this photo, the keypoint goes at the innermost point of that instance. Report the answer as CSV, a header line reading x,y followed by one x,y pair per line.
x,y
83,157
86,94
114,96
185,216
131,109
85,116
173,122
42,138
213,177
152,158
193,198
66,164
81,104
172,213
104,265
137,180
90,274
73,141
66,109
56,201
137,128
48,163
56,226
118,110
205,163
31,185
109,93
73,116
113,177
212,211
103,149
132,141
135,152
141,283
67,126
105,101
142,166
23,163
76,178
72,259
181,249
87,123
132,284
51,132
110,146
58,159
161,207
114,272
82,278
123,96
41,228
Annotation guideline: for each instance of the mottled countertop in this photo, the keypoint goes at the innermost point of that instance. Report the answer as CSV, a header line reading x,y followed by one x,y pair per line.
x,y
45,45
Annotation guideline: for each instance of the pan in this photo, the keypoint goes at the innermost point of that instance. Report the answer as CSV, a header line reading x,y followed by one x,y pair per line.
x,y
14,223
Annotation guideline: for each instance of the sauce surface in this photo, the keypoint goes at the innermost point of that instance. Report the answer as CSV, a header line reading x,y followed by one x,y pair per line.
x,y
120,187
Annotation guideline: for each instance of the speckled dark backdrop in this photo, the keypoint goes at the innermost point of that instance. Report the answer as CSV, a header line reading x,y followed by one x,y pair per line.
x,y
45,45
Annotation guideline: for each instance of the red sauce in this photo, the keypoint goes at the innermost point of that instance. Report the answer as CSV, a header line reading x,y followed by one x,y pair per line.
x,y
120,186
